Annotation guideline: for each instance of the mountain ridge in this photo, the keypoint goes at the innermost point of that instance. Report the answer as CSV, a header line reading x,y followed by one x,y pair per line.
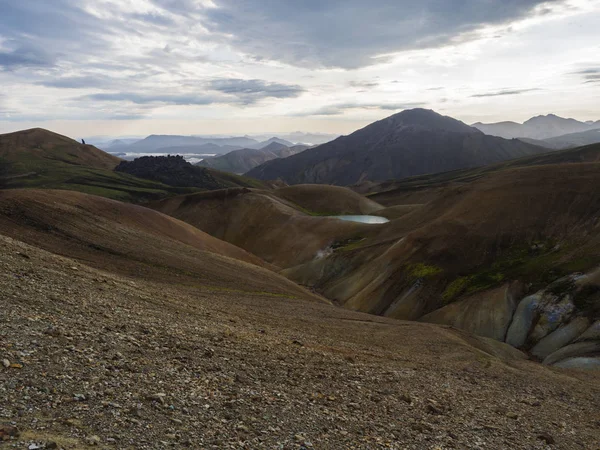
x,y
408,143
539,127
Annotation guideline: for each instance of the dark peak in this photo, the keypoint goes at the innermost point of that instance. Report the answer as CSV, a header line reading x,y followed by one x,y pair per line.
x,y
429,119
274,145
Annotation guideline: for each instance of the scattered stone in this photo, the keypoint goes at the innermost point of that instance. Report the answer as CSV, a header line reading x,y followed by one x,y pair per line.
x,y
8,431
6,363
406,398
547,438
512,415
93,440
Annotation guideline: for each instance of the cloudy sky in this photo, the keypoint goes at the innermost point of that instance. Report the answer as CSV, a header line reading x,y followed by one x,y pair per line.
x,y
134,67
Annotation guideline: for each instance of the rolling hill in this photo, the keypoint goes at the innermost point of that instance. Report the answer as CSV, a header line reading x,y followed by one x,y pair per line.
x,y
133,240
243,160
268,224
409,143
41,159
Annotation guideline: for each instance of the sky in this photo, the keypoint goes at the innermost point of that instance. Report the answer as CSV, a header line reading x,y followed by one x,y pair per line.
x,y
138,67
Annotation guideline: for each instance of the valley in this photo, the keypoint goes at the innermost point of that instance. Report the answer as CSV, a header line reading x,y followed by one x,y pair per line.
x,y
198,308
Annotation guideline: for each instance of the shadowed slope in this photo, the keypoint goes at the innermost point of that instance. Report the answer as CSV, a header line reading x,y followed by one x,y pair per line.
x,y
130,239
425,188
332,200
484,229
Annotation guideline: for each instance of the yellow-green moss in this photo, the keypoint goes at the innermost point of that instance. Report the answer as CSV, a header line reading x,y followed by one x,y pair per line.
x,y
420,270
456,288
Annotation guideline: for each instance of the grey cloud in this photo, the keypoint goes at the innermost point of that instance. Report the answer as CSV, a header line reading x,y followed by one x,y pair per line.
x,y
504,92
591,75
351,33
154,19
77,82
250,91
25,57
60,27
363,84
144,99
334,110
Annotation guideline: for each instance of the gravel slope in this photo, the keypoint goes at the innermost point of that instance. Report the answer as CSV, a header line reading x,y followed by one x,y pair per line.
x,y
99,360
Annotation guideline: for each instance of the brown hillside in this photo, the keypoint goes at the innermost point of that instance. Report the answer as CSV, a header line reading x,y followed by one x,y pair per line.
x,y
133,240
326,199
44,144
425,188
470,227
264,224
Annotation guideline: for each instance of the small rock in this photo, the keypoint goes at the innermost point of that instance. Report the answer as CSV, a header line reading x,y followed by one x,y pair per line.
x,y
298,343
7,432
512,415
93,440
51,445
547,438
33,447
209,352
159,397
6,363
434,409
406,398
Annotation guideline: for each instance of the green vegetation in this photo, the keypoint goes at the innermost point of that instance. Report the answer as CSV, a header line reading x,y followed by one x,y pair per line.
x,y
349,244
420,270
539,264
456,288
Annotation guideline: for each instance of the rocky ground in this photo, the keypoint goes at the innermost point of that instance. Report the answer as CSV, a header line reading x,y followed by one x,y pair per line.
x,y
93,359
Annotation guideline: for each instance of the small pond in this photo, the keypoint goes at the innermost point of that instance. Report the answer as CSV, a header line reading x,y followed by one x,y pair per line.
x,y
362,219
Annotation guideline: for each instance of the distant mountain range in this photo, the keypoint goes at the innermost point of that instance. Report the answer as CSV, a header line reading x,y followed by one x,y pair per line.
x,y
241,161
173,144
540,127
412,142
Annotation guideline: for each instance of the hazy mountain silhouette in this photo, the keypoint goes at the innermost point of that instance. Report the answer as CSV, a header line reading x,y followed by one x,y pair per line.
x,y
539,127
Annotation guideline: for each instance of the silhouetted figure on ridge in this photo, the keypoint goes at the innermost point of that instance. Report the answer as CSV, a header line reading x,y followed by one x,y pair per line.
x,y
83,141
